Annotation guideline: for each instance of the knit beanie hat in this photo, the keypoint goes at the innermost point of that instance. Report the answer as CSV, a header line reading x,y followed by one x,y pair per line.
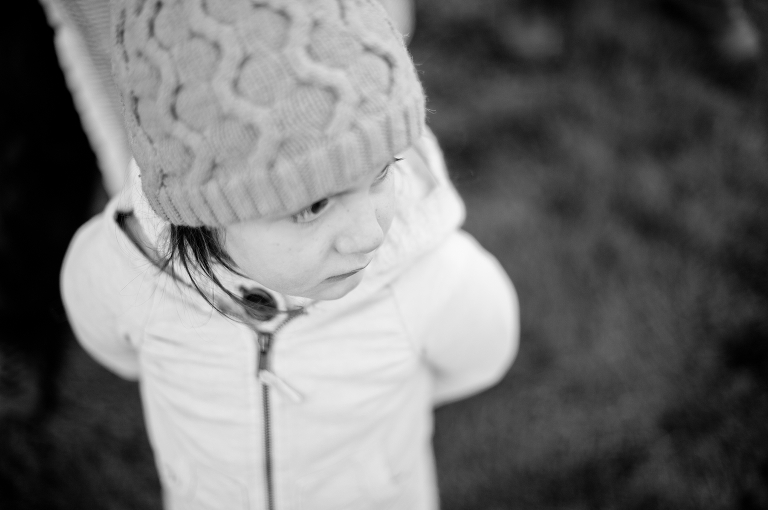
x,y
240,109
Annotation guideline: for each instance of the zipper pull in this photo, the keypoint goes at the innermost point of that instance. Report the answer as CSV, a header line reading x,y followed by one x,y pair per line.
x,y
267,377
273,381
265,342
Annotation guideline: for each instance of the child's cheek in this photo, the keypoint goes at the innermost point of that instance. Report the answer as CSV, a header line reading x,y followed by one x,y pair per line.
x,y
299,262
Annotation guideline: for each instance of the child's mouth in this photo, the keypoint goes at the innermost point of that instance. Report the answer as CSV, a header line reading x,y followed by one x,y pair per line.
x,y
340,277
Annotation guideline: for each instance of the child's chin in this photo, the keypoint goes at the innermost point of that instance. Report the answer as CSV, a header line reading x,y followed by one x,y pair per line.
x,y
336,290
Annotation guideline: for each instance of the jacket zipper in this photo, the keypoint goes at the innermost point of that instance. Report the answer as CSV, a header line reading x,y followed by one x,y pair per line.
x,y
265,342
267,379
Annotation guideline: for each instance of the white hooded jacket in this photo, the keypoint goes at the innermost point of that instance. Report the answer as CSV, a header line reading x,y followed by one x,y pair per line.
x,y
339,415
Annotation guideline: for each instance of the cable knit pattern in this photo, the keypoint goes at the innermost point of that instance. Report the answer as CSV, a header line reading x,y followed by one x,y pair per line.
x,y
239,109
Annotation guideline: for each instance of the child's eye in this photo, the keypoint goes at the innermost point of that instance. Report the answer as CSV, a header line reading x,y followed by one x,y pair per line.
x,y
384,173
311,212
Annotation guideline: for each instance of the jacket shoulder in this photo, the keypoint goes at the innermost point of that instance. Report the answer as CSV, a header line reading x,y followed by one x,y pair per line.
x,y
460,308
107,287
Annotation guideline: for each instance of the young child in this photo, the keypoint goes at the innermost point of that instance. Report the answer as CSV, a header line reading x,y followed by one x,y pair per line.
x,y
285,274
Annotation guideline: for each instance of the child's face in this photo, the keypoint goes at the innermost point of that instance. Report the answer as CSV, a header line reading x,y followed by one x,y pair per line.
x,y
321,251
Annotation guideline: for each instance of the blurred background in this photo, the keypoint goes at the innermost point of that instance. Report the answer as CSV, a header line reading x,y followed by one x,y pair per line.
x,y
612,155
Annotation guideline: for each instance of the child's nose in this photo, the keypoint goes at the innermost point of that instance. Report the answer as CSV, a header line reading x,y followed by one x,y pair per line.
x,y
362,232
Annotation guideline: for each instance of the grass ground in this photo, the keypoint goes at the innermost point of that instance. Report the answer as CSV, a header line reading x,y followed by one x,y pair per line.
x,y
624,188
616,167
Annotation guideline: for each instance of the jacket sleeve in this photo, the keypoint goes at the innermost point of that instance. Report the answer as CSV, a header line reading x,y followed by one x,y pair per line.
x,y
99,294
461,308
